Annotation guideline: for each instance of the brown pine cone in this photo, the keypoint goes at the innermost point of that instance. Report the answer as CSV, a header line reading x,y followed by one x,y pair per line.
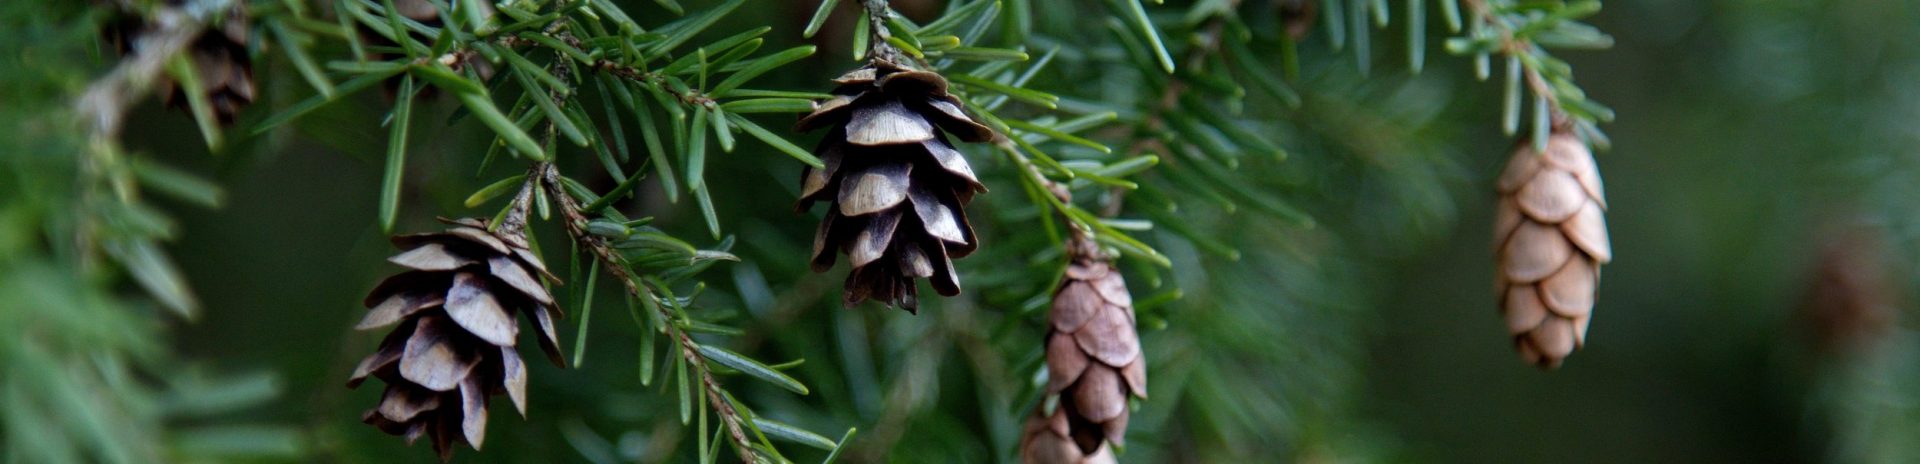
x,y
1853,297
1297,16
1550,233
1093,363
896,189
220,61
453,348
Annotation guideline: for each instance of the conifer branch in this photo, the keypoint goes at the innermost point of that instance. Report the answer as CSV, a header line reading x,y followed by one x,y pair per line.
x,y
615,265
1513,46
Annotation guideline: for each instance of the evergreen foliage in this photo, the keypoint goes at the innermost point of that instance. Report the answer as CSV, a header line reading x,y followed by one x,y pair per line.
x,y
1260,169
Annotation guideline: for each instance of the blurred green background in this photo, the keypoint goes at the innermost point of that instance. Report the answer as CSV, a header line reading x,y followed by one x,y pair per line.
x,y
1748,133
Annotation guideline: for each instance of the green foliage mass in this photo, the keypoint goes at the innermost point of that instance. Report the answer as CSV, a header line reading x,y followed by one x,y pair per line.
x,y
1297,217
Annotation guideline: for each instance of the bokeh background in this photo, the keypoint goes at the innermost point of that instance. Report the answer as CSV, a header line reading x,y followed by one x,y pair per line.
x,y
1762,147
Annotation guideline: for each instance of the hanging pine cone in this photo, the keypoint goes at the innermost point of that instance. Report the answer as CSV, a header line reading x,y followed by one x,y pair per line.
x,y
1093,362
453,348
895,187
220,61
1853,297
1297,16
1550,233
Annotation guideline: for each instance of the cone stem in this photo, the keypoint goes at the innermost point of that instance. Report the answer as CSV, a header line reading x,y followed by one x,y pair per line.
x,y
515,222
878,49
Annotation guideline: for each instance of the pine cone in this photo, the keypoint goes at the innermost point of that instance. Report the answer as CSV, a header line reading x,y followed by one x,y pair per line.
x,y
220,61
1550,233
1093,363
896,188
1297,16
453,348
1853,296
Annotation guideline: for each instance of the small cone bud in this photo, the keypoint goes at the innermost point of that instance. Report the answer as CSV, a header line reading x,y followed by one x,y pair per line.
x,y
896,189
1094,364
1297,16
1550,238
451,347
1853,297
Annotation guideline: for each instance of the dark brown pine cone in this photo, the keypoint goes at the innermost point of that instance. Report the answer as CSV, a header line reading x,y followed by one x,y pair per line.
x,y
1297,17
453,347
1093,363
220,61
896,189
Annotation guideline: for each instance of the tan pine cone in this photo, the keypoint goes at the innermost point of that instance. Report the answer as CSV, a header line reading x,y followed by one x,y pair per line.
x,y
1094,363
896,188
453,347
1550,233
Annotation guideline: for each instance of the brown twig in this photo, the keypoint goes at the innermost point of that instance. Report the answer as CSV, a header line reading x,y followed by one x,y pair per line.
x,y
877,46
615,265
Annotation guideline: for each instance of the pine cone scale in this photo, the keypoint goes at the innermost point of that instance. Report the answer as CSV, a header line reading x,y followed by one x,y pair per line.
x,y
398,306
433,359
939,219
470,304
887,123
1074,306
1569,293
873,189
432,256
1065,362
1588,230
402,403
1552,197
1108,338
549,337
1534,252
1099,396
505,270
1523,308
473,411
1136,376
947,114
514,378
954,163
873,241
945,281
910,82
